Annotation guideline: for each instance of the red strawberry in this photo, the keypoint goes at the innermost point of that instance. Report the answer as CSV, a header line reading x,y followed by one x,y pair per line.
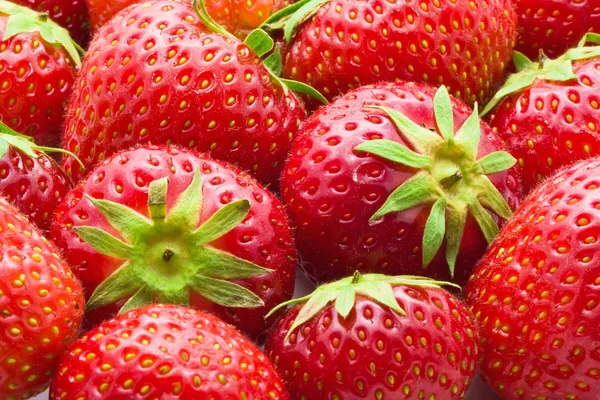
x,y
72,14
463,44
536,293
554,26
385,337
37,71
547,113
155,75
41,306
355,211
164,352
241,225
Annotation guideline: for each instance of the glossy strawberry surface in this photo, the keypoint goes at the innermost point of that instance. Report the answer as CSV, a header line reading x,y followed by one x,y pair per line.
x,y
166,352
536,293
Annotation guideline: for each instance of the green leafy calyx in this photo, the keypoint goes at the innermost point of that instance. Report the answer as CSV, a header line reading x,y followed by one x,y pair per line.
x,y
291,17
558,70
450,178
167,257
343,295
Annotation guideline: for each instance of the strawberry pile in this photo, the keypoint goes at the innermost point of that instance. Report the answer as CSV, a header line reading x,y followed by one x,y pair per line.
x,y
299,200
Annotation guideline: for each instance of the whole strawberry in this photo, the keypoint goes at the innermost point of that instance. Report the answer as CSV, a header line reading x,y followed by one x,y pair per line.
x,y
134,239
465,45
376,337
164,352
536,293
399,179
547,113
72,14
41,306
175,82
554,26
37,71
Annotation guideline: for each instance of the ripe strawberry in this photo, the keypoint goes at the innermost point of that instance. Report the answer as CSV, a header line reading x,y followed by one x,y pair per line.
x,y
547,113
554,26
385,337
536,293
41,306
163,352
72,14
463,44
368,212
37,71
155,75
168,260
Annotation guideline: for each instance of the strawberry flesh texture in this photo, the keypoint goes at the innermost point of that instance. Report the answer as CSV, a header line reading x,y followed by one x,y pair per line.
x,y
264,238
36,80
376,353
554,26
180,85
344,46
551,124
41,305
331,190
536,292
198,352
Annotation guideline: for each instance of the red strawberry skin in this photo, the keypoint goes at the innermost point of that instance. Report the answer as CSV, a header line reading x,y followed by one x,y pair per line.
x,y
463,44
265,237
551,124
554,26
376,353
150,78
163,351
331,191
36,186
36,79
72,14
41,306
536,293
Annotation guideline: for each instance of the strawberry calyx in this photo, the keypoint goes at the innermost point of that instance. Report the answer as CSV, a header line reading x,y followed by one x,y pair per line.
x,y
167,257
291,17
23,19
449,177
558,70
343,293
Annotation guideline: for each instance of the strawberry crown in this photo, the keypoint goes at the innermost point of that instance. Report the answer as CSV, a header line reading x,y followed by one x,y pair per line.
x,y
23,19
559,69
292,16
343,295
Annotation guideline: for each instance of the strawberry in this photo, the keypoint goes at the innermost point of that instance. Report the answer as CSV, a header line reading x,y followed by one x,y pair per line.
x,y
463,44
536,293
547,113
219,225
554,26
72,15
376,337
41,306
155,74
37,71
164,352
378,181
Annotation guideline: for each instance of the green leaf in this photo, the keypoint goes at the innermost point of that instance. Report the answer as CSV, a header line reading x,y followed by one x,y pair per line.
x,y
3,147
560,72
222,265
435,228
279,19
345,301
177,297
61,36
420,138
491,198
469,133
381,292
287,303
395,152
121,284
455,227
208,21
521,61
305,12
126,221
259,42
19,23
273,62
157,198
514,84
186,212
320,298
104,242
488,226
225,293
25,145
444,116
222,222
419,189
589,37
303,88
143,297
496,162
